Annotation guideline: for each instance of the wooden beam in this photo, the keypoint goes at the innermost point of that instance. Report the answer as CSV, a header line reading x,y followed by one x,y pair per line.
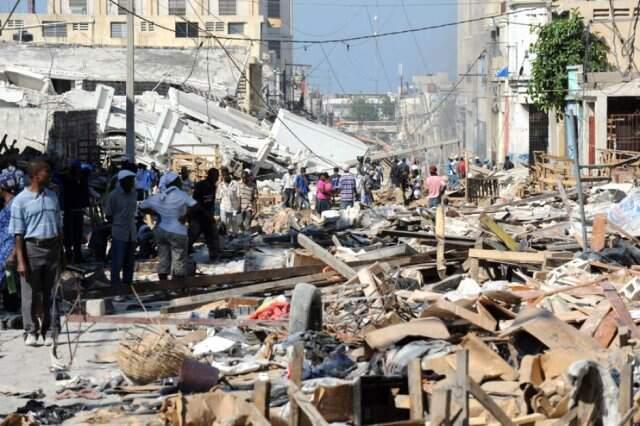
x,y
440,406
414,374
509,256
620,308
599,232
309,410
161,320
461,390
487,402
492,226
338,265
261,395
295,371
626,390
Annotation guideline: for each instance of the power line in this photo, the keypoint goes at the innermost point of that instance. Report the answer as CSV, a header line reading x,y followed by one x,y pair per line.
x,y
415,38
335,40
333,72
13,9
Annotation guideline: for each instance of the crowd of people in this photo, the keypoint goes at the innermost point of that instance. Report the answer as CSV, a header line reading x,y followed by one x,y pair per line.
x,y
43,227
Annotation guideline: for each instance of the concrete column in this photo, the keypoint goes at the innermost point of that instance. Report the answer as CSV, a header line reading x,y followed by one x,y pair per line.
x,y
601,121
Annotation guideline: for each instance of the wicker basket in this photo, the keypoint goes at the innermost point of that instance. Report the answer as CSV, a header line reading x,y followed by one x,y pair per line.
x,y
147,355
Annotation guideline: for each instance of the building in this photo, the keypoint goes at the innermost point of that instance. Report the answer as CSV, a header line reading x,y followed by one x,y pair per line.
x,y
168,24
495,115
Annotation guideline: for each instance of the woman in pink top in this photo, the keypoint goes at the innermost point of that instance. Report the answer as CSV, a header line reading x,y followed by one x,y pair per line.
x,y
435,185
324,191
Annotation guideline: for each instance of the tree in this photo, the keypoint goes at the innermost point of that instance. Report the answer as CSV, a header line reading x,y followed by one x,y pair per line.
x,y
361,110
562,42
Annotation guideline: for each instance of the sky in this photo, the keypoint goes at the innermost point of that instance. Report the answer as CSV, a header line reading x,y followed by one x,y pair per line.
x,y
367,66
370,65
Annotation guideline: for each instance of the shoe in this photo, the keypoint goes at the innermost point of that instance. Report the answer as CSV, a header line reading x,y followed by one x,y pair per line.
x,y
31,340
48,341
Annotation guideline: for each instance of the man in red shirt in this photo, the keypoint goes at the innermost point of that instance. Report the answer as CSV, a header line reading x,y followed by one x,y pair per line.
x,y
462,167
436,186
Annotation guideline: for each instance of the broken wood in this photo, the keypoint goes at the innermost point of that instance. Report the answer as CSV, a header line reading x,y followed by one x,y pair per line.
x,y
509,256
295,377
488,403
414,376
261,395
326,257
599,233
461,390
492,226
442,267
619,307
303,404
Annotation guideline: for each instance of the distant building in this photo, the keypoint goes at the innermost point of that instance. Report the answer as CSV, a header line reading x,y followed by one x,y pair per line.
x,y
190,22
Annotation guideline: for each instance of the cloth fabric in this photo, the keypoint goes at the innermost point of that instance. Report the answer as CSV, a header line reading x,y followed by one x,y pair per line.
x,y
122,262
344,204
230,219
187,186
7,240
245,223
248,196
8,180
36,215
434,186
288,181
347,188
144,180
229,196
288,198
462,168
122,174
323,205
75,192
73,225
276,310
204,193
172,252
433,202
20,178
302,201
323,190
122,208
171,204
39,286
166,179
301,184
335,181
202,225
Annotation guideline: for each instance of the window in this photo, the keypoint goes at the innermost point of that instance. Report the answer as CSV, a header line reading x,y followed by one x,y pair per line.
x,y
620,12
215,26
147,26
273,8
118,30
15,23
81,26
177,7
600,14
186,30
274,45
54,29
78,7
236,28
228,7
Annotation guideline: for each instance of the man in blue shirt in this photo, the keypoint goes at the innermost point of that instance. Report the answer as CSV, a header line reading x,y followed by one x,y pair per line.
x,y
36,223
301,185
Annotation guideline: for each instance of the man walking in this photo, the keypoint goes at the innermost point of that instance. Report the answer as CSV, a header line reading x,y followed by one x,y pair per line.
x,y
301,185
120,209
248,200
229,196
187,183
347,187
288,189
36,223
202,220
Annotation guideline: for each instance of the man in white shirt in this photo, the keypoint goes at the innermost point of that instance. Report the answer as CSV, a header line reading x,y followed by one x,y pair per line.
x,y
229,196
171,234
288,187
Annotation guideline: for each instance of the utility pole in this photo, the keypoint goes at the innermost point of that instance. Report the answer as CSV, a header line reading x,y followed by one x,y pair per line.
x,y
131,99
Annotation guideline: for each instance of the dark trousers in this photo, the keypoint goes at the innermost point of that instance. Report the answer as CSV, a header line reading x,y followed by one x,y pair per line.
x,y
289,198
322,205
206,226
122,261
38,289
73,228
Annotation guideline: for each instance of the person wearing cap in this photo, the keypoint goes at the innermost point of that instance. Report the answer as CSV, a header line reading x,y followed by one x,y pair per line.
x,y
436,186
288,188
120,209
9,185
75,199
301,185
36,224
248,200
348,192
171,234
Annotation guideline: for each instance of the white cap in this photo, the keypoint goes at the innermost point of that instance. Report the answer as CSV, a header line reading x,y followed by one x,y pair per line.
x,y
125,174
345,168
166,179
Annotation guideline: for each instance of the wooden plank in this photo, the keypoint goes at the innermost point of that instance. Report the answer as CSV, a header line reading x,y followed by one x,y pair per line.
x,y
161,320
442,267
474,262
261,395
440,407
599,232
591,324
607,330
339,266
488,403
295,378
509,256
565,197
625,401
461,390
190,302
620,308
444,308
503,235
414,374
303,404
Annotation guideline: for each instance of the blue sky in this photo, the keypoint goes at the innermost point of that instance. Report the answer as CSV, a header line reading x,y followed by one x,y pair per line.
x,y
363,66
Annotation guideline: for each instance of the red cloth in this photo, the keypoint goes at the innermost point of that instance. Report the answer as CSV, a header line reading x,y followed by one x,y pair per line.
x,y
323,190
462,168
274,311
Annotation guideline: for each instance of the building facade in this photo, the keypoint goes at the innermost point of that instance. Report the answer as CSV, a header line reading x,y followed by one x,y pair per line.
x,y
166,24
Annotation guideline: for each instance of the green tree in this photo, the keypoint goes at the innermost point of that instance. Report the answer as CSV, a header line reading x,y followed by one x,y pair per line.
x,y
361,110
562,42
